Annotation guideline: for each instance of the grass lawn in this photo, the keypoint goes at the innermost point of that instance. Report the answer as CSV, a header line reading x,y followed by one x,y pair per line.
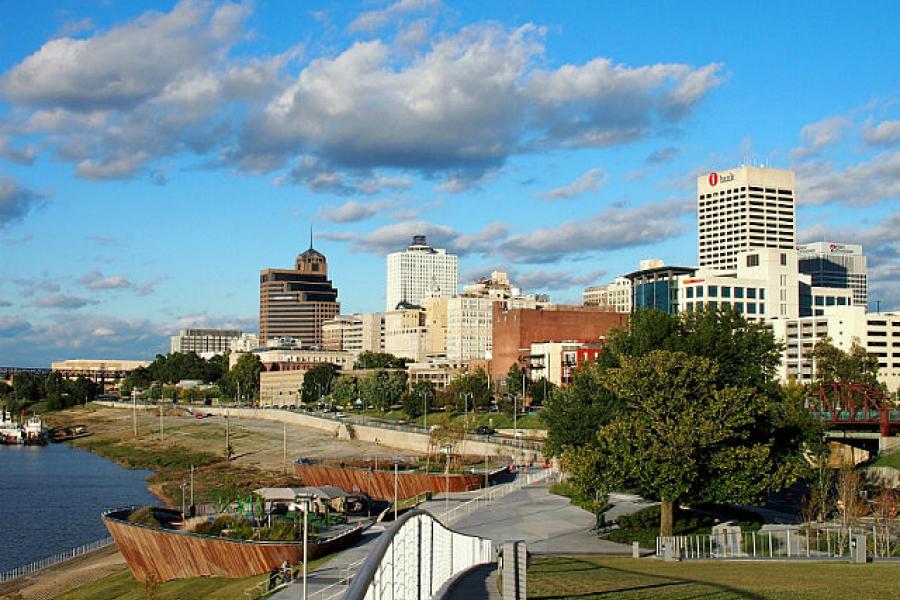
x,y
887,460
122,586
495,420
588,578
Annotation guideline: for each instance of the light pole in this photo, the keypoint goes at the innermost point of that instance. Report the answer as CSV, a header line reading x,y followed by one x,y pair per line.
x,y
446,448
192,485
425,409
305,502
134,410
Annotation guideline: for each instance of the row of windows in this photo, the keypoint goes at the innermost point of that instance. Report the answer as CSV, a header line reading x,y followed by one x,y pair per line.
x,y
749,308
715,291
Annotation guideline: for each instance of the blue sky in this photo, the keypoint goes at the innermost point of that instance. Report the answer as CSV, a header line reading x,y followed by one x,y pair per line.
x,y
154,158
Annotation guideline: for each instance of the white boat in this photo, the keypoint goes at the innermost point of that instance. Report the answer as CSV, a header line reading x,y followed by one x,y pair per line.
x,y
35,432
10,431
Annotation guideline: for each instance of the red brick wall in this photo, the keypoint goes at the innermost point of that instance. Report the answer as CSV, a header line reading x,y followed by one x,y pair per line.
x,y
515,330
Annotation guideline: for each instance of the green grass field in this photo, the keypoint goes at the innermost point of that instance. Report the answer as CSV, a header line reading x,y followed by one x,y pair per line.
x,y
122,586
887,460
590,578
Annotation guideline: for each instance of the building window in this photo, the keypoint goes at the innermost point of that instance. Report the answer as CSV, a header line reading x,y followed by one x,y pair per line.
x,y
753,260
700,305
820,301
713,291
762,293
689,292
700,294
726,292
751,292
829,301
751,308
783,259
739,306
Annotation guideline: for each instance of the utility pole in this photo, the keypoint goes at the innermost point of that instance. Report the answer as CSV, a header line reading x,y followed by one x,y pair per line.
x,y
134,411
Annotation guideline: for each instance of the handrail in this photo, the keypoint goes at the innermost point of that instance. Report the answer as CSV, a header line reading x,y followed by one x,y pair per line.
x,y
365,577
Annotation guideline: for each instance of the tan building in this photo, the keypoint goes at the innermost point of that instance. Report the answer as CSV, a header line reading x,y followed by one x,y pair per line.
x,y
279,383
294,303
435,326
204,341
615,295
405,333
437,372
296,354
744,208
357,333
106,372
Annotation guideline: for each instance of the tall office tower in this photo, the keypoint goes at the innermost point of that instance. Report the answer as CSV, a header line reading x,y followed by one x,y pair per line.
x,y
743,208
834,265
293,303
420,272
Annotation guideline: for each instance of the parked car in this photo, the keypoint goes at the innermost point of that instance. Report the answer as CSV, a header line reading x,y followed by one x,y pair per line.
x,y
485,430
341,414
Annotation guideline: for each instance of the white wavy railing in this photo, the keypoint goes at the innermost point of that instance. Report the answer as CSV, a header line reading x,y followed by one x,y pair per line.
x,y
415,557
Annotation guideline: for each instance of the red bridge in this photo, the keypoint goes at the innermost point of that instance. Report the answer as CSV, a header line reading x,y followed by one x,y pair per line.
x,y
854,406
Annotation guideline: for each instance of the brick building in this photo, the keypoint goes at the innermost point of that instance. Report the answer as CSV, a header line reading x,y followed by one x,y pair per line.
x,y
515,330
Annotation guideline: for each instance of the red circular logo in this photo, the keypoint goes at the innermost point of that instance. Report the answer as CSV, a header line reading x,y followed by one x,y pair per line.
x,y
713,178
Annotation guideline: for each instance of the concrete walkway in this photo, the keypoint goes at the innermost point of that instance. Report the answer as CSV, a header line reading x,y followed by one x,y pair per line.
x,y
481,583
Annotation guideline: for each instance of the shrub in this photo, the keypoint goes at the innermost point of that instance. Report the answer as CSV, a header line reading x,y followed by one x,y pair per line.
x,y
146,515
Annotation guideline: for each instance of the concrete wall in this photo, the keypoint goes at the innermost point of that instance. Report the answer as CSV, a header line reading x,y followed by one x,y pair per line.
x,y
391,438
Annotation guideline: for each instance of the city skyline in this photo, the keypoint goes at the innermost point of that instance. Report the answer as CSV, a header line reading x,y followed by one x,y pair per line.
x,y
153,162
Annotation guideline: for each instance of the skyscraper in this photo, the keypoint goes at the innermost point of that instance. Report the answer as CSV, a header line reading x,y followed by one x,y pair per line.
x,y
837,266
420,272
743,208
295,302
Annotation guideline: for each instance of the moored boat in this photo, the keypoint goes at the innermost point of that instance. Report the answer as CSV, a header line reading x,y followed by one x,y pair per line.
x,y
10,431
35,432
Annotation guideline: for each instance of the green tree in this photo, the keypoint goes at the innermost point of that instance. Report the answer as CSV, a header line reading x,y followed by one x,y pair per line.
x,y
54,389
419,399
471,388
246,373
834,365
541,390
378,360
27,387
383,388
83,391
317,383
345,390
684,437
514,380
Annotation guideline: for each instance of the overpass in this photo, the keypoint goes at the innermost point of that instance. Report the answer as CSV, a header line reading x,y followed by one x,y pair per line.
x,y
857,414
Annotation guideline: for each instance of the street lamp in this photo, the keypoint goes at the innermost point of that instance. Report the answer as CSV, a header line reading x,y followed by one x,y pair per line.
x,y
446,450
306,503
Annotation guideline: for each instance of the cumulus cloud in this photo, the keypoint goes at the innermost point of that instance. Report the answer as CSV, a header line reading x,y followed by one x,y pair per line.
x,y
11,327
451,107
22,155
871,181
32,285
95,280
817,136
351,211
376,19
15,201
886,133
397,236
544,280
589,182
63,302
463,105
610,230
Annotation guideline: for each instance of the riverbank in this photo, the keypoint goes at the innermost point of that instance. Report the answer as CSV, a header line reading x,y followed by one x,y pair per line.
x,y
262,452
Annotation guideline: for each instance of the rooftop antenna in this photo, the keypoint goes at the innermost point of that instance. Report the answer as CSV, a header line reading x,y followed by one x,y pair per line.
x,y
310,236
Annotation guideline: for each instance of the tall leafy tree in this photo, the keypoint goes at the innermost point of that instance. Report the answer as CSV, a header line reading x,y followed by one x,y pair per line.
x,y
317,383
27,387
383,388
834,365
514,380
419,399
471,389
378,360
54,390
246,373
345,389
684,437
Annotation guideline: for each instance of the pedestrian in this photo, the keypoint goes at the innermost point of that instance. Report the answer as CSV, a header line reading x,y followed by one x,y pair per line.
x,y
286,570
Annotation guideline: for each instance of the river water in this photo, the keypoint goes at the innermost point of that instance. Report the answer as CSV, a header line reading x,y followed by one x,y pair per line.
x,y
51,498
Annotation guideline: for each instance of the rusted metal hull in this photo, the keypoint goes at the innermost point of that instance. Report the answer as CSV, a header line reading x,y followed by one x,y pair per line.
x,y
380,484
164,554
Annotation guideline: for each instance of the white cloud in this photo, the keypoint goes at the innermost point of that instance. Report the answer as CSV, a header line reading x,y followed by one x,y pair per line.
x,y
868,182
610,230
95,280
589,182
352,210
398,236
63,302
886,133
820,134
376,19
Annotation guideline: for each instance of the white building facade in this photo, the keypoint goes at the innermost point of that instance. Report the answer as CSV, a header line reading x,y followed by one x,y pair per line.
x,y
208,342
744,208
418,272
615,295
357,333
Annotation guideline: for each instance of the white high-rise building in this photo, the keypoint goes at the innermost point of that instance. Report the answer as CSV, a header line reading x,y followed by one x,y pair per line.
x,y
420,272
203,341
838,266
743,208
615,295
